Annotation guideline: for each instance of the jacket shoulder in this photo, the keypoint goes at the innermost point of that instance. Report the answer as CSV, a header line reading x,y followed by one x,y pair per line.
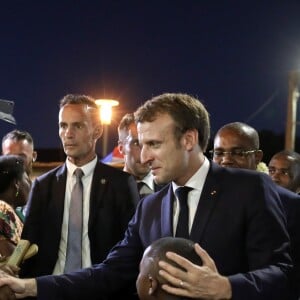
x,y
51,173
108,170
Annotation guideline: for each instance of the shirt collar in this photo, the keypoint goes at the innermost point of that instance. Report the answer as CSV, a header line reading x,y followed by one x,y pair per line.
x,y
148,179
197,180
87,168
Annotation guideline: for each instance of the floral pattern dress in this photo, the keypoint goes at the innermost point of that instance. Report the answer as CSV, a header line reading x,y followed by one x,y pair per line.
x,y
10,224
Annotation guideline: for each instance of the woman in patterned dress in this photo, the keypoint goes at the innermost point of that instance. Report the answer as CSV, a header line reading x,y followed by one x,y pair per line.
x,y
14,190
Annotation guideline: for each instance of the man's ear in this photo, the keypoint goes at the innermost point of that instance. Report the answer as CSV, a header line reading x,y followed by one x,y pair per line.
x,y
34,156
190,139
153,285
121,147
258,156
98,132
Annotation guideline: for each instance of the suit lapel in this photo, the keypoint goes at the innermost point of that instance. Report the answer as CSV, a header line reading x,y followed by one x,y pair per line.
x,y
97,188
208,200
167,213
204,210
58,196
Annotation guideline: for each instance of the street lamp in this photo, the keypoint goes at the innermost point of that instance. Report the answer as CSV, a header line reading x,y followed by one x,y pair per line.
x,y
291,122
105,117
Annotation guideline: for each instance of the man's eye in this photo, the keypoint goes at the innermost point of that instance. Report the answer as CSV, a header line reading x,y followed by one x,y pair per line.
x,y
218,153
135,144
238,152
271,171
155,144
284,172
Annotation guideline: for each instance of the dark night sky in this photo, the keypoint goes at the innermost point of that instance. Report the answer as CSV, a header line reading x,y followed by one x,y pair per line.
x,y
234,55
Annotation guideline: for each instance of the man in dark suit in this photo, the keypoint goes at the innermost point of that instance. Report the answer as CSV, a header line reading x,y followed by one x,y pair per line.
x,y
109,200
233,215
237,145
129,147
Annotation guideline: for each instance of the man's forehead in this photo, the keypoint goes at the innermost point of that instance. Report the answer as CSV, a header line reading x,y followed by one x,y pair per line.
x,y
76,110
281,161
76,117
16,143
163,121
132,130
231,142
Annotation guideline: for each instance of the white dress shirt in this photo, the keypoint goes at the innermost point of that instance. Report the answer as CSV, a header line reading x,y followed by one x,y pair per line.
x,y
88,171
196,182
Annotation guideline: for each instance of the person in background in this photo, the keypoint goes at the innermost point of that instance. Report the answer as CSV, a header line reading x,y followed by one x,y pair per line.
x,y
6,115
149,281
233,214
129,147
20,143
284,169
109,195
14,190
237,145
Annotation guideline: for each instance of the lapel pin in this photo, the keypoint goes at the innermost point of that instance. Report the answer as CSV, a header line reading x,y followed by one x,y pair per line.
x,y
103,181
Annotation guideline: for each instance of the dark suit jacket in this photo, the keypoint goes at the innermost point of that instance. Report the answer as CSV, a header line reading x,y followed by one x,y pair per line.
x,y
113,200
291,205
238,222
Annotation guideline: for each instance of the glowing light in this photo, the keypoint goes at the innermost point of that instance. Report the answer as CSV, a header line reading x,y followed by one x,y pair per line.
x,y
105,117
106,109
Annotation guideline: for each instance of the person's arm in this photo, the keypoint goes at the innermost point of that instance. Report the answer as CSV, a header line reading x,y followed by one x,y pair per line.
x,y
29,288
196,281
20,287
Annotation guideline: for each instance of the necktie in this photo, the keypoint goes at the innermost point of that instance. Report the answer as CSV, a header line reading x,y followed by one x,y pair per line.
x,y
143,189
140,185
182,229
73,255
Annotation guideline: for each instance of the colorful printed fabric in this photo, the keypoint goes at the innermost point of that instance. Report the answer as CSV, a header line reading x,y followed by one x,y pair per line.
x,y
10,224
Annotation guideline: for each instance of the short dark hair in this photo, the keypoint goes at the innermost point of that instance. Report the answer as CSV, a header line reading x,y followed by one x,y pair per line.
x,y
78,99
126,121
18,135
180,246
290,153
187,112
11,168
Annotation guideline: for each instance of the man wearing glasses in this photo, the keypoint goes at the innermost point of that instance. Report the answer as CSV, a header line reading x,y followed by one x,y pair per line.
x,y
236,145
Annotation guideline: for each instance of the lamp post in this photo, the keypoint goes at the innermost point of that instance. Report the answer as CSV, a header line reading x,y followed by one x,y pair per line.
x,y
105,117
291,122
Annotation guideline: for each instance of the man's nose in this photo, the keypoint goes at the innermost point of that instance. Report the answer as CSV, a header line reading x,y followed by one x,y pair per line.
x,y
145,155
227,156
69,132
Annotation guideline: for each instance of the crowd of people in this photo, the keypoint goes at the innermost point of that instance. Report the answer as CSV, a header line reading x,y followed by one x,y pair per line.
x,y
105,233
